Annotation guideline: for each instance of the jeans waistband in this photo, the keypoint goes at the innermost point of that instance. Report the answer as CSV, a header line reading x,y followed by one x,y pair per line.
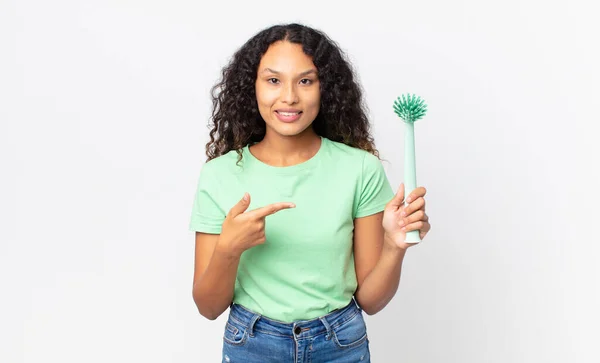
x,y
299,329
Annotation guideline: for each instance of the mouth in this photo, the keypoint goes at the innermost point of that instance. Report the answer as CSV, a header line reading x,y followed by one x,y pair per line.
x,y
288,115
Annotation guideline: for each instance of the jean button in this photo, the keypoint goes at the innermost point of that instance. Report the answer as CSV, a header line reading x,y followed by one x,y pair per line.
x,y
297,330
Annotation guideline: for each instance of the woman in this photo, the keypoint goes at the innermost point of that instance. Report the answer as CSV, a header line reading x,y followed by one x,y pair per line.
x,y
298,230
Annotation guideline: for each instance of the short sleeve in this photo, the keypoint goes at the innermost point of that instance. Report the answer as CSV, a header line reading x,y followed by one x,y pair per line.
x,y
207,216
375,190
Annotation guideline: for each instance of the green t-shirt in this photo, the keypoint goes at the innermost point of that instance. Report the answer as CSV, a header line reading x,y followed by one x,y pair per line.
x,y
305,269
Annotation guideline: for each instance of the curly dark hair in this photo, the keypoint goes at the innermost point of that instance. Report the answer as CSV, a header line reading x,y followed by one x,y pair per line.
x,y
236,121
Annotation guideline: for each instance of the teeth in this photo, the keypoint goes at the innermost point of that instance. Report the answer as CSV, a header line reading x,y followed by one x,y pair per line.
x,y
288,113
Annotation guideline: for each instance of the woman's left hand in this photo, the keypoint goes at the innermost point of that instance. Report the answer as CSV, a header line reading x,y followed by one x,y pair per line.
x,y
399,218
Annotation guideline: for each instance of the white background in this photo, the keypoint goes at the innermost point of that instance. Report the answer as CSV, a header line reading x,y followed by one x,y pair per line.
x,y
103,110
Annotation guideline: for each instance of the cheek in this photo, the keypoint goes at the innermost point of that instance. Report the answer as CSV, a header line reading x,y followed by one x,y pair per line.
x,y
263,96
315,102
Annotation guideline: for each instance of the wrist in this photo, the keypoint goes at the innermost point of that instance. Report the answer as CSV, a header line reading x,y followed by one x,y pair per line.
x,y
224,249
391,246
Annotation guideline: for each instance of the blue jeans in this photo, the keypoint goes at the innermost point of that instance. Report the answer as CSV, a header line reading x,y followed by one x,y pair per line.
x,y
340,336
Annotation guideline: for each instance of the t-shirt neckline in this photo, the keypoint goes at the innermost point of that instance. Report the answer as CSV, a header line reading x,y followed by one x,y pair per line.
x,y
285,169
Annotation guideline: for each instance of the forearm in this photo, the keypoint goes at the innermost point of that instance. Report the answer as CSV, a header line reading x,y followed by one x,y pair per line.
x,y
213,292
381,284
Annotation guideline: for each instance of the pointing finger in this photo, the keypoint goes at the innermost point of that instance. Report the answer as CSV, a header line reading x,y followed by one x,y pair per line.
x,y
271,209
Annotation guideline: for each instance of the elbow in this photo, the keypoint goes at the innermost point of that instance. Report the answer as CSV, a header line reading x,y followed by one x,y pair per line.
x,y
370,310
207,311
369,306
208,314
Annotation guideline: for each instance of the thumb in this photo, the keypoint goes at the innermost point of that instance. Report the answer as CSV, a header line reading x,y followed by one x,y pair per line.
x,y
241,206
398,200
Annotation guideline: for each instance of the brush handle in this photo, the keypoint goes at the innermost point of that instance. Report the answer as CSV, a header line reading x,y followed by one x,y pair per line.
x,y
410,172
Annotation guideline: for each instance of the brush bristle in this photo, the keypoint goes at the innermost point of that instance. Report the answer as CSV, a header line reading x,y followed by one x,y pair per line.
x,y
410,108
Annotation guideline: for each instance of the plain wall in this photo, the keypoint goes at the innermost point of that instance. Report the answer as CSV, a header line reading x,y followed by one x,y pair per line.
x,y
104,107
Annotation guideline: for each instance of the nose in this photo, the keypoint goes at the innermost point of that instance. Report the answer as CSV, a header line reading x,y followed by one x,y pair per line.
x,y
289,94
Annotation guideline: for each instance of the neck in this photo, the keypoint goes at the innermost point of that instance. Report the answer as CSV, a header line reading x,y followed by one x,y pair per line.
x,y
278,150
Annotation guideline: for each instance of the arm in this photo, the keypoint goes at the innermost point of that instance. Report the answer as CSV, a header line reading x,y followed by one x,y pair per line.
x,y
218,255
378,264
215,269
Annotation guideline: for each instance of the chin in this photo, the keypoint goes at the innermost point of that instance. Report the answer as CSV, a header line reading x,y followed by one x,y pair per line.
x,y
289,132
290,129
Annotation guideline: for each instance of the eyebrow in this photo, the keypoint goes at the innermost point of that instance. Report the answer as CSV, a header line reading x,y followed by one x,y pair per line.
x,y
300,75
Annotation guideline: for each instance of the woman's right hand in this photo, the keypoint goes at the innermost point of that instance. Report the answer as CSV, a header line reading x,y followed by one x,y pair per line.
x,y
242,231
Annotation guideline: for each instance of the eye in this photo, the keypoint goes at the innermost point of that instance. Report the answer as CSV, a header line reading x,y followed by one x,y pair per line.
x,y
306,81
273,80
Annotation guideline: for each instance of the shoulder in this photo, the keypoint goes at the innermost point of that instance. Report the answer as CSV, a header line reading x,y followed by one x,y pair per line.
x,y
346,150
219,168
222,163
353,155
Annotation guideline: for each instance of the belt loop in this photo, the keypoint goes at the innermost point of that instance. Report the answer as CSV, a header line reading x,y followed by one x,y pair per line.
x,y
327,326
251,324
356,303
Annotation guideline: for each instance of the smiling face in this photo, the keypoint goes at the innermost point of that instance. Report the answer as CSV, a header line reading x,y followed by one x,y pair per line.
x,y
287,89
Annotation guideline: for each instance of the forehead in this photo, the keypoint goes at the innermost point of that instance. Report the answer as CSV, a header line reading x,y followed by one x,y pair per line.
x,y
285,57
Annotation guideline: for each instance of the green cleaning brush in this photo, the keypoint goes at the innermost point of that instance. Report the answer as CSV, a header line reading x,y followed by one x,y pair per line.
x,y
410,109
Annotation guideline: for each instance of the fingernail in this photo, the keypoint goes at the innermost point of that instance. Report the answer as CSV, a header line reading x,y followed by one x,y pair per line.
x,y
245,197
